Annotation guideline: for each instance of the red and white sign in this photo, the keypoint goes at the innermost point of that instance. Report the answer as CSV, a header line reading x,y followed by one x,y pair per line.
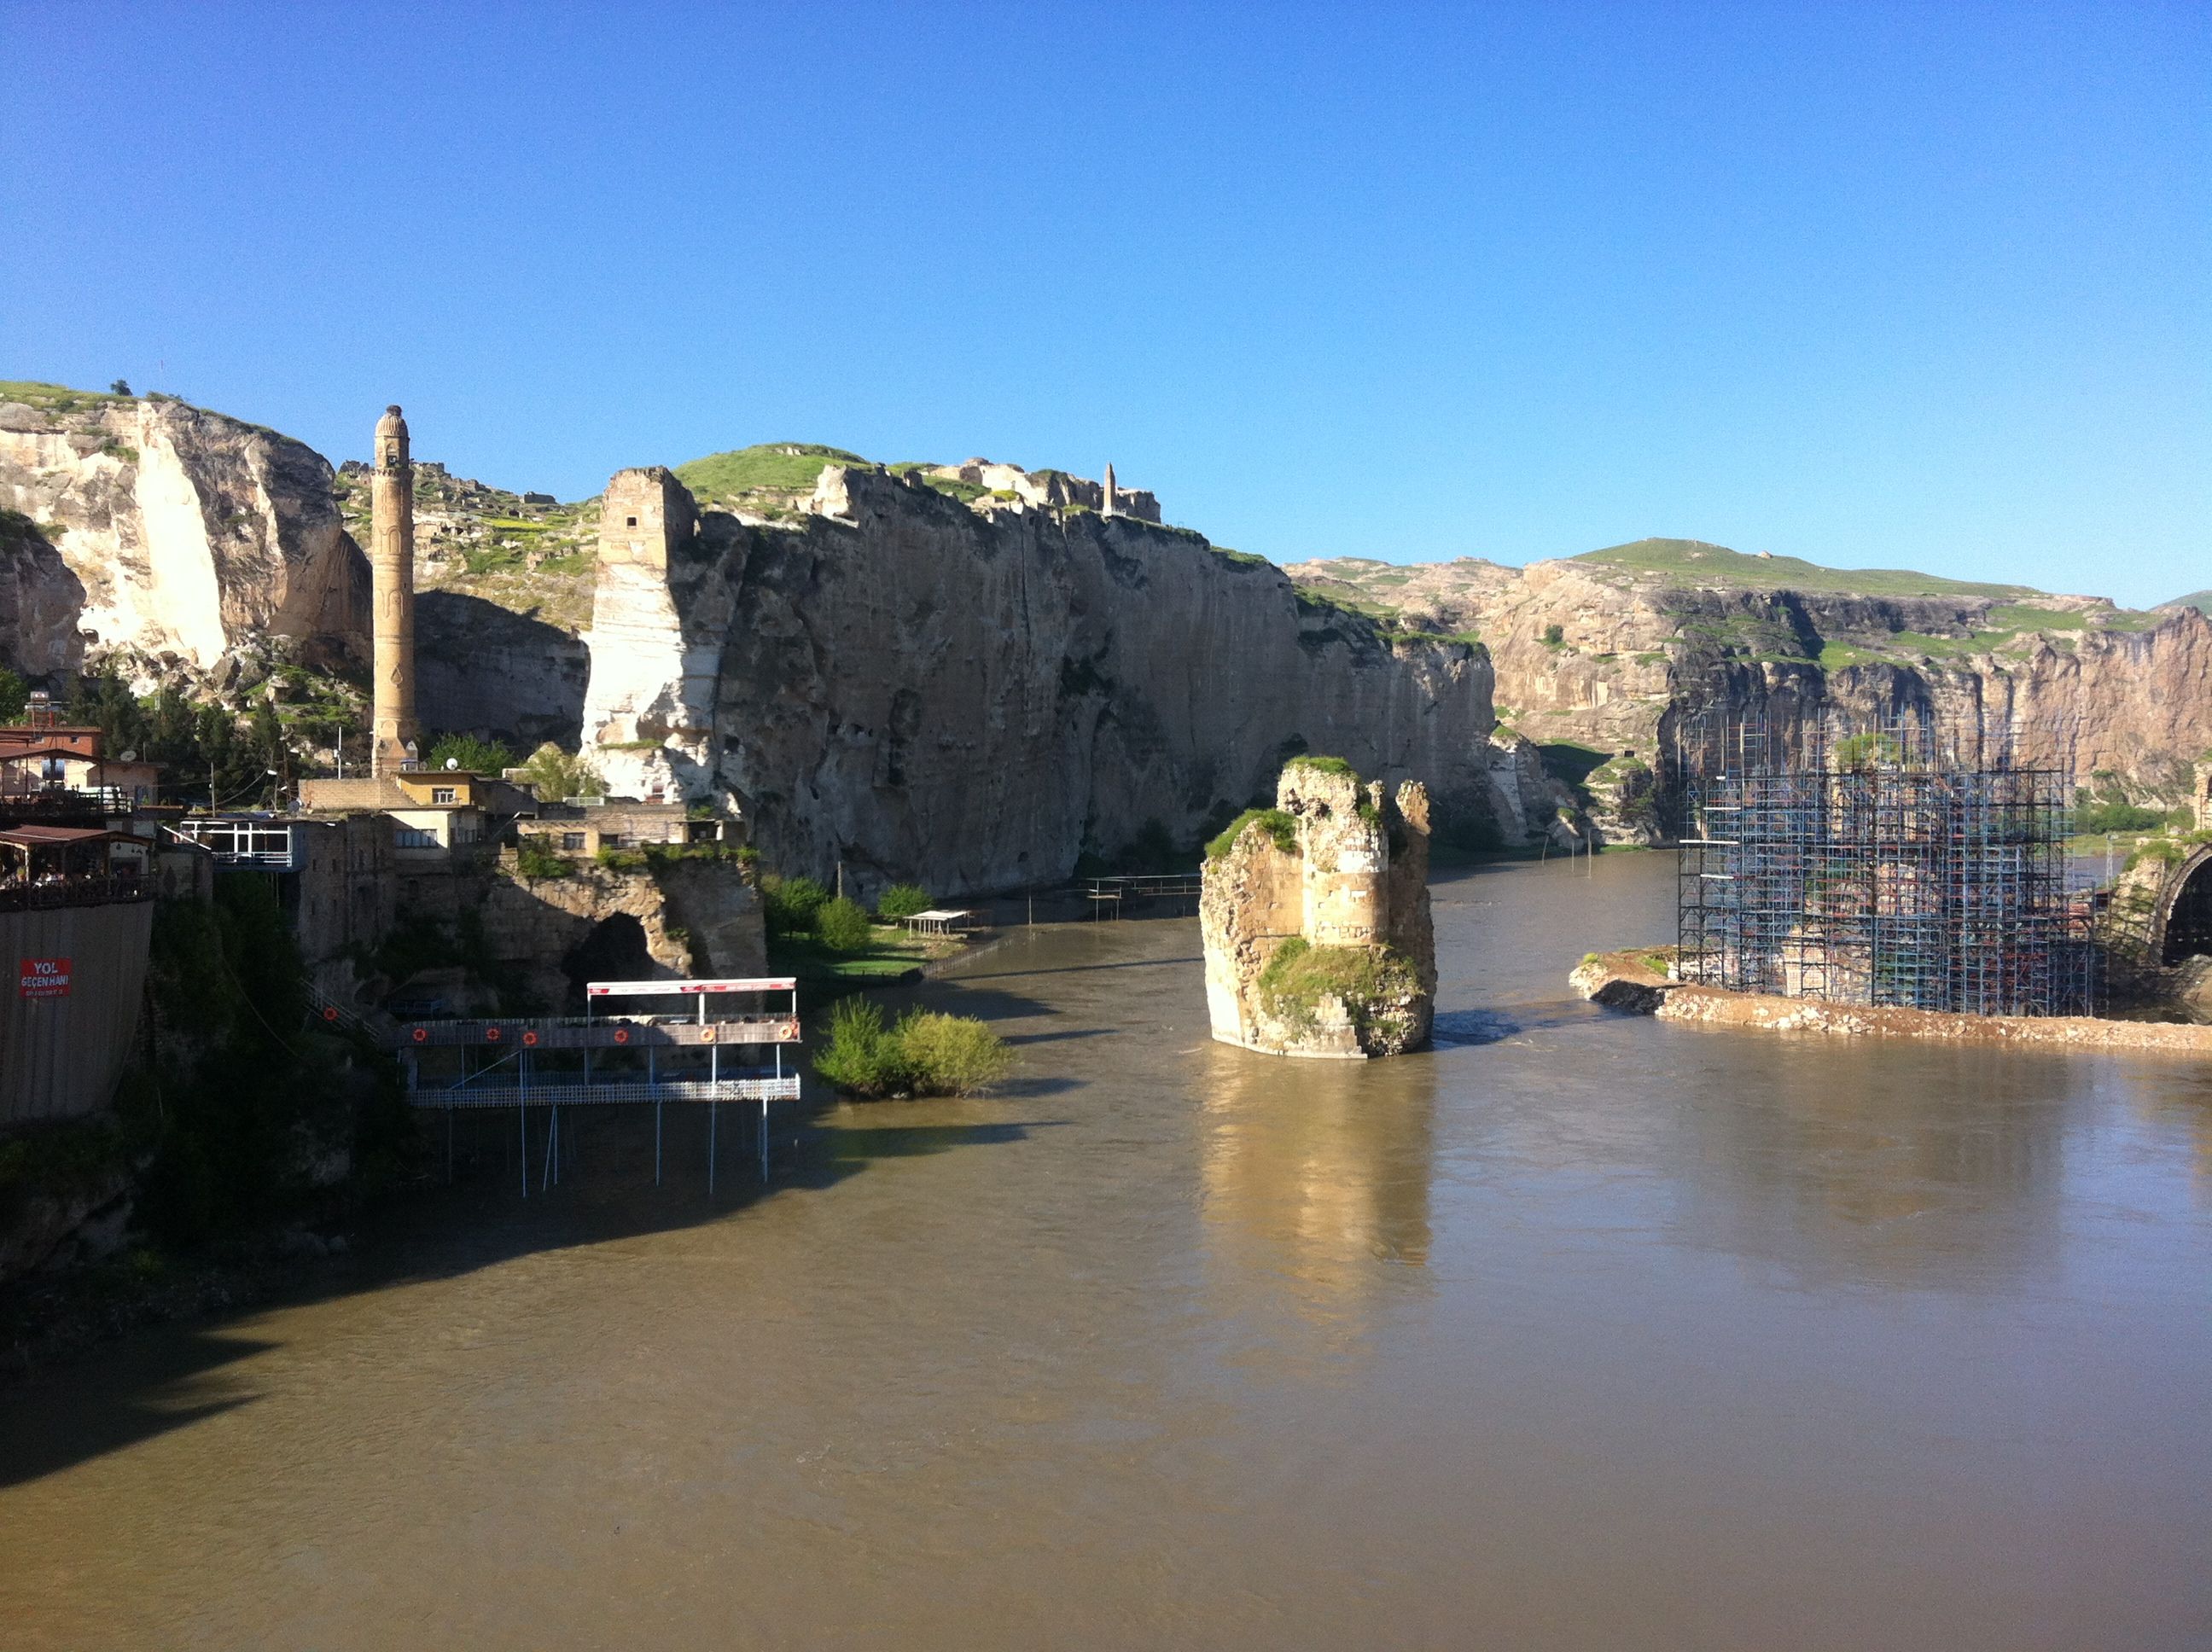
x,y
45,977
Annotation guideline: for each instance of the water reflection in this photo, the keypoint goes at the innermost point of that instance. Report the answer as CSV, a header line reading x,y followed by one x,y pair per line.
x,y
1316,1175
1910,1165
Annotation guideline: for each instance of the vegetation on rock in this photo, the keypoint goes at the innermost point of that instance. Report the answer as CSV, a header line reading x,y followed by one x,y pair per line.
x,y
466,751
783,466
1373,983
1277,824
1692,562
533,860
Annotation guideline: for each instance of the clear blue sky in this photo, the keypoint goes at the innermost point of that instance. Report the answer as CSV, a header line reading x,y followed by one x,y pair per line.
x,y
1925,285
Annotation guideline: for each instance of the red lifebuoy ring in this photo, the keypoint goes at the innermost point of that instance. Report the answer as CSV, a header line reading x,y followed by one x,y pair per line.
x,y
622,1035
491,1035
329,1012
422,1035
530,1038
706,1034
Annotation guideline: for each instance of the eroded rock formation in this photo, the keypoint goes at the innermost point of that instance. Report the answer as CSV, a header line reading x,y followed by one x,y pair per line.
x,y
1597,662
973,697
1316,918
180,532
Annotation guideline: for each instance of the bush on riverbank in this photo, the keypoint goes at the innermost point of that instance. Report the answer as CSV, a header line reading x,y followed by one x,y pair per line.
x,y
924,1052
903,901
788,904
842,926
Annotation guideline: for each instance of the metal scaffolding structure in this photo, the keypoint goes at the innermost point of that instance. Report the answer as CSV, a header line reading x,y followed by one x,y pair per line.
x,y
1896,862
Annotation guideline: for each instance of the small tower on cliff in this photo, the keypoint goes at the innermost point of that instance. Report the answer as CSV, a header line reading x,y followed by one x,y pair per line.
x,y
2202,796
1109,508
645,515
649,706
392,729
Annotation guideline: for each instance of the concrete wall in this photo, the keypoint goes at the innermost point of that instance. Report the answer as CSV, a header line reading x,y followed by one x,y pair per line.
x,y
61,1057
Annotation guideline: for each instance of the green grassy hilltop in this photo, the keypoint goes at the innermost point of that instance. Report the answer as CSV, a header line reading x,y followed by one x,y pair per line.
x,y
1692,562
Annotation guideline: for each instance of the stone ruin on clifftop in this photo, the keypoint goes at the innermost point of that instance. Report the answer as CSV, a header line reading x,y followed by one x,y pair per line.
x,y
1316,918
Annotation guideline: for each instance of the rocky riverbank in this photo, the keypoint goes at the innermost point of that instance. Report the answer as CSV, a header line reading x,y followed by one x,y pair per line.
x,y
1634,981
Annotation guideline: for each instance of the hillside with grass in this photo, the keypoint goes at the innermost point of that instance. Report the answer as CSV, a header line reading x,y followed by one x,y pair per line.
x,y
532,558
1691,563
2200,600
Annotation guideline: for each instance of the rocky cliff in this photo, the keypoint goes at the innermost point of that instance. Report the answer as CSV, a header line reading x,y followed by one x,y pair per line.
x,y
976,696
180,535
1600,658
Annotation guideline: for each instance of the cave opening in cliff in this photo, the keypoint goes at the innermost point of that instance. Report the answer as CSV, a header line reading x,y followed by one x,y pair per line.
x,y
2189,924
614,950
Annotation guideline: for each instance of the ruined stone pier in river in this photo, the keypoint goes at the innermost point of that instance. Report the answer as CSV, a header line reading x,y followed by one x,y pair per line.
x,y
1316,918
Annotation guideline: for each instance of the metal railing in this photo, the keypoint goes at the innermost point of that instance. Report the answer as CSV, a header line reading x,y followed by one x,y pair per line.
x,y
599,1033
505,1092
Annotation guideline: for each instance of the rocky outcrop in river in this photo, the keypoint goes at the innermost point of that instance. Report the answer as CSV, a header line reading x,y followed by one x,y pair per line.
x,y
1315,919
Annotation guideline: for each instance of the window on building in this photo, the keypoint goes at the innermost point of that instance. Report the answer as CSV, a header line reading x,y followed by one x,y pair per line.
x,y
615,840
633,521
443,795
572,840
413,837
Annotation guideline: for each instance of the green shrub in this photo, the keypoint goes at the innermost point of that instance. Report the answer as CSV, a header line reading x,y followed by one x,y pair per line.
x,y
927,1053
842,925
467,752
788,904
1277,825
2165,851
534,859
14,695
1554,635
621,859
862,1056
1325,765
903,901
559,776
951,1054
2093,818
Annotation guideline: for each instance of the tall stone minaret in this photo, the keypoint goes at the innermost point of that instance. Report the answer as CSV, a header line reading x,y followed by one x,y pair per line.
x,y
1109,507
391,572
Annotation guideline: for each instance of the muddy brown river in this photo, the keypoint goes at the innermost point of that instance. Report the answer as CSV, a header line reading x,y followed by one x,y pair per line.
x,y
1579,1332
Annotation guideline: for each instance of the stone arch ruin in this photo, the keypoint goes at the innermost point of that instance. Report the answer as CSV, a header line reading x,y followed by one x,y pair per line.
x,y
2184,921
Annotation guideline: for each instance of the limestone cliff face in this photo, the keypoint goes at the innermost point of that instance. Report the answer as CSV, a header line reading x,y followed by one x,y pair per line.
x,y
1592,658
491,671
40,602
187,533
971,698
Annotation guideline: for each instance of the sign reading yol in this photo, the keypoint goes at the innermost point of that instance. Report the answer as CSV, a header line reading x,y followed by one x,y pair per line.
x,y
45,977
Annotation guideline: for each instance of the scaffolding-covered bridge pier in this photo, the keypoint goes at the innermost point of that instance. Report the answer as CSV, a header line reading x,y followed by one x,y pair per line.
x,y
606,1057
1896,862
